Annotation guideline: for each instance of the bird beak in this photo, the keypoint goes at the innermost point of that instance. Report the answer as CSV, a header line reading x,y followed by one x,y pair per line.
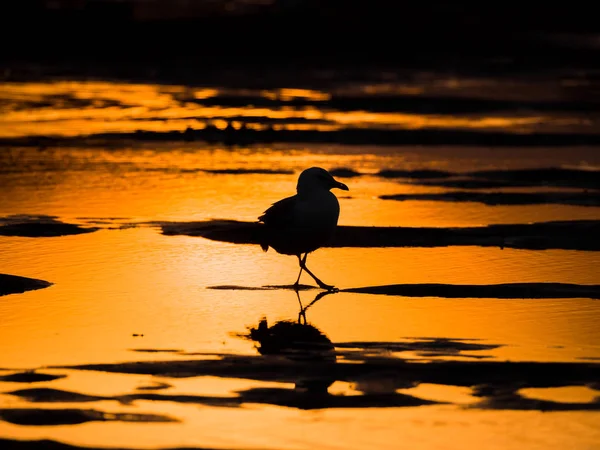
x,y
341,186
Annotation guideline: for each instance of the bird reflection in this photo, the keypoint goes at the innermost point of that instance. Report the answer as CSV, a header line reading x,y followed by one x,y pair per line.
x,y
302,313
300,342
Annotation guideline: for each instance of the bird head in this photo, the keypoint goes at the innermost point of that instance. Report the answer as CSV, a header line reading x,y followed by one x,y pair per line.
x,y
317,178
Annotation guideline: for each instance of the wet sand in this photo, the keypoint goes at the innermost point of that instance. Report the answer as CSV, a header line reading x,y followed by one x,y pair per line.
x,y
498,291
47,444
39,226
485,179
313,369
567,235
13,284
72,416
299,353
506,198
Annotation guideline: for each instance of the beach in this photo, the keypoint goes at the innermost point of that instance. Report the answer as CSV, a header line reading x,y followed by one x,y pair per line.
x,y
139,310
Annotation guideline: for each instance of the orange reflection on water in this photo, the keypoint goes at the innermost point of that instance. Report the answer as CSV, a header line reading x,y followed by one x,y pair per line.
x,y
290,94
126,93
416,121
82,108
114,285
104,275
205,93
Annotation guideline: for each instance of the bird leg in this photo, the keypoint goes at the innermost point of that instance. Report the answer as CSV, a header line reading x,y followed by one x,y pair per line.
x,y
301,314
319,282
301,268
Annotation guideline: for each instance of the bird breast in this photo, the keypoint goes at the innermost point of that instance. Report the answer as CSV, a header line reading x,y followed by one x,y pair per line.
x,y
318,212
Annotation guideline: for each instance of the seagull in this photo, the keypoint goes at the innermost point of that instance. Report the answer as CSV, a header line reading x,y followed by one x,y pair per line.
x,y
300,224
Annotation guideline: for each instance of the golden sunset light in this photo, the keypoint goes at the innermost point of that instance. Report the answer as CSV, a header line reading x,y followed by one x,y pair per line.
x,y
297,224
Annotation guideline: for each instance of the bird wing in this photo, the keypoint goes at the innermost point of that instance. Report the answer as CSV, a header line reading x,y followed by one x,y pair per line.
x,y
280,213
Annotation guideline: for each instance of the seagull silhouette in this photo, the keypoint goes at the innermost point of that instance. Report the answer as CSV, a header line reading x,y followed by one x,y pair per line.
x,y
300,224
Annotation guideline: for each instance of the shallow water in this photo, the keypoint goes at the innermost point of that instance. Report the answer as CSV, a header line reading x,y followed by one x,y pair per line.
x,y
127,286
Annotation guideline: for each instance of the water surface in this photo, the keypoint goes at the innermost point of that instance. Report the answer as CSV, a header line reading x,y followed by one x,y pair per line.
x,y
127,286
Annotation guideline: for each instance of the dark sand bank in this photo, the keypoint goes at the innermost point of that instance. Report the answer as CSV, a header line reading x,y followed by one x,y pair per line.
x,y
289,287
294,352
461,182
46,444
346,136
567,235
504,291
12,284
271,396
550,177
30,376
39,226
232,171
454,373
50,395
506,198
249,171
374,368
486,179
40,416
389,102
424,347
368,366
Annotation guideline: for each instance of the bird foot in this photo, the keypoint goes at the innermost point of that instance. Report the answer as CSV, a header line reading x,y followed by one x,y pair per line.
x,y
327,287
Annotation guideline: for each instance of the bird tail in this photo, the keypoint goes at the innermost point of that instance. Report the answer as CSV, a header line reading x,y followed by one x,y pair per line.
x,y
261,237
